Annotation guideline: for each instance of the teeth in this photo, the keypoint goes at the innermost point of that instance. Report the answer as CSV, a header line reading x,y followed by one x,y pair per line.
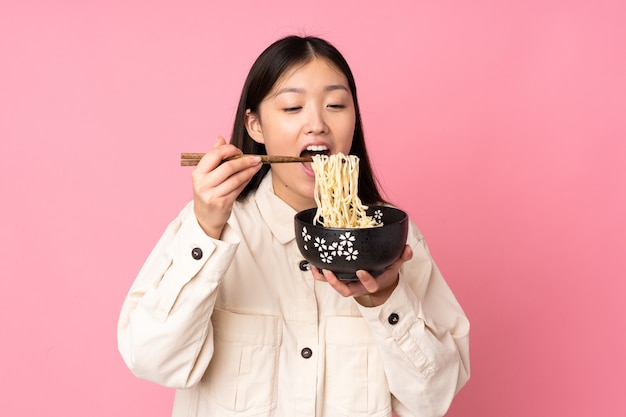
x,y
317,148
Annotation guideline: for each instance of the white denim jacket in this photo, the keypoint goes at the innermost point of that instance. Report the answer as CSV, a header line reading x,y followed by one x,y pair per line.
x,y
240,329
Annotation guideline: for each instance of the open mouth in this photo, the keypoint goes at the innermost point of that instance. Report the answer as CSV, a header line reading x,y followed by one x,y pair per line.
x,y
313,150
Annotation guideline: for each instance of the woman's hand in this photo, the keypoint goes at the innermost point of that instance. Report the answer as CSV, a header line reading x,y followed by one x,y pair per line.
x,y
367,291
216,185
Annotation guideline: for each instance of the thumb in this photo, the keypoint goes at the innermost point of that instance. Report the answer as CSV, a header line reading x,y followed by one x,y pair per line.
x,y
407,253
220,141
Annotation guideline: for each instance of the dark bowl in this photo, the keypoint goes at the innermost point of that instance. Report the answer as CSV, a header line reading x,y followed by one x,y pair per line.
x,y
344,251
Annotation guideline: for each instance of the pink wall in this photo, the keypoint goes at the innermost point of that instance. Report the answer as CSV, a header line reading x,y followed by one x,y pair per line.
x,y
499,127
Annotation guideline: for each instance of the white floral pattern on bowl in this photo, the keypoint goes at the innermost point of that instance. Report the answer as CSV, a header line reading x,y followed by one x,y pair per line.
x,y
344,247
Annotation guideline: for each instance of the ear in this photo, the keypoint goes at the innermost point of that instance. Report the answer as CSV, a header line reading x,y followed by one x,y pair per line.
x,y
253,126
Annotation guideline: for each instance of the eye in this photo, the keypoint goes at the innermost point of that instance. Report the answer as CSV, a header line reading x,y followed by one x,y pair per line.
x,y
292,109
337,106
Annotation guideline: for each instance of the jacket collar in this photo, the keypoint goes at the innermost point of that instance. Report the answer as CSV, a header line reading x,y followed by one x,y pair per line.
x,y
277,214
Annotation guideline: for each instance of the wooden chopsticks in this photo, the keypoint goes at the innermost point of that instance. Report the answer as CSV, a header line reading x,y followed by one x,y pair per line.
x,y
191,159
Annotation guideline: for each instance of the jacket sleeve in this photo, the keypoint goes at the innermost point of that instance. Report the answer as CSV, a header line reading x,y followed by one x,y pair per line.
x,y
423,336
164,330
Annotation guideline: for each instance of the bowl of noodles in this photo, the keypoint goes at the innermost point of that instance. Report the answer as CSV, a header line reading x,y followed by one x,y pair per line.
x,y
343,235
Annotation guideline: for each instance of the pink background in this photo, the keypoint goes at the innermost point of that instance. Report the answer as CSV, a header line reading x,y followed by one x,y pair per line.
x,y
499,126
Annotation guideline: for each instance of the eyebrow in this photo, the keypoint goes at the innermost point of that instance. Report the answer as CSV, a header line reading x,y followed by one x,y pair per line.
x,y
332,87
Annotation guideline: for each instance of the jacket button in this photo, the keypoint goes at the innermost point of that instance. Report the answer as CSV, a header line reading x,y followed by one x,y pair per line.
x,y
393,319
196,253
306,353
304,266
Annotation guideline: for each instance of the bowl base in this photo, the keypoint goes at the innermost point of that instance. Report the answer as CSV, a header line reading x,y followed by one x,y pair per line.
x,y
348,276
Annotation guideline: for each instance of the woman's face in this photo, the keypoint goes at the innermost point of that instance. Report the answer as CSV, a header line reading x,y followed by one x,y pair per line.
x,y
309,110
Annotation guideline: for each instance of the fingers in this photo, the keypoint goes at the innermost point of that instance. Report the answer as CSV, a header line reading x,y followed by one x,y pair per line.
x,y
224,177
377,289
345,288
221,150
317,273
366,283
370,284
217,184
342,287
231,176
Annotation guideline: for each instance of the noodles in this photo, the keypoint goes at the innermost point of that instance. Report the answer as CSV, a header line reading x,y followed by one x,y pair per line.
x,y
336,192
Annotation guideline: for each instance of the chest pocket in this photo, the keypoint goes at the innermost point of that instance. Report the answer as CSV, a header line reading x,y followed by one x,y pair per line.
x,y
242,375
356,384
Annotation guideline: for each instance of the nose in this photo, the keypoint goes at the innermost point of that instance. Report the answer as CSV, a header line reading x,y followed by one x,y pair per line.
x,y
315,121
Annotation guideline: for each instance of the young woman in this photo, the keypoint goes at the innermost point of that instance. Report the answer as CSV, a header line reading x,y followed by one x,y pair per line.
x,y
226,310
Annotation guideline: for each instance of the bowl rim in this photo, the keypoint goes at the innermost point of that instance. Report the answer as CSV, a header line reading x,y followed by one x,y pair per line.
x,y
371,206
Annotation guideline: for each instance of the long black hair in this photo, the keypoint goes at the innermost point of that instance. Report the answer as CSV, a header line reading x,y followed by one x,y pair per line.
x,y
266,70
